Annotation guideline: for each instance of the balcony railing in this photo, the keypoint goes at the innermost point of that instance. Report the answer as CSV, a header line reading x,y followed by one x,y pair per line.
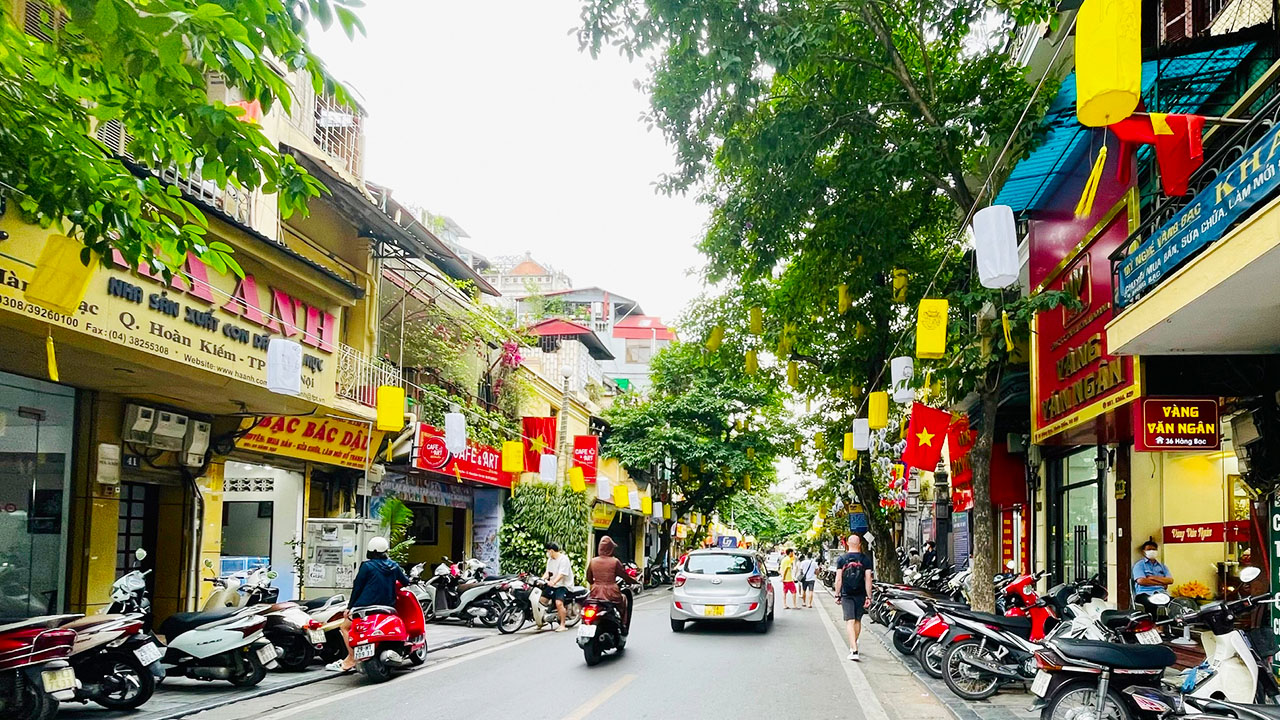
x,y
236,203
1237,143
359,376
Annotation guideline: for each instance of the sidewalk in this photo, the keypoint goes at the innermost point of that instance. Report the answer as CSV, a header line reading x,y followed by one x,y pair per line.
x,y
179,697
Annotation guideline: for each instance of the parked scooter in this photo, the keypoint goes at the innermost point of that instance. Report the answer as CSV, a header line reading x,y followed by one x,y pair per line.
x,y
296,635
527,604
34,672
447,597
385,638
603,629
329,612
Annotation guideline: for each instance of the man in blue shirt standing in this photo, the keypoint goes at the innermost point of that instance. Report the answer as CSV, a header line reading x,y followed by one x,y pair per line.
x,y
1149,574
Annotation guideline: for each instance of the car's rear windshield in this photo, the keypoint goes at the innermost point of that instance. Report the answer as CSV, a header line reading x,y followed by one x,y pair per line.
x,y
719,564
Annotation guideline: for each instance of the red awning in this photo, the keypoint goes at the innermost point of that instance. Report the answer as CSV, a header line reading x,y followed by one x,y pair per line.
x,y
642,327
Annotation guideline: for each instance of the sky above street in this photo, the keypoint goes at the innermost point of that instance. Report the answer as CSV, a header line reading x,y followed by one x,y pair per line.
x,y
486,111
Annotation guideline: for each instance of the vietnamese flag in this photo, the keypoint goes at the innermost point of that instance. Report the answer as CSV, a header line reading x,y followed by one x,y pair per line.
x,y
539,439
926,432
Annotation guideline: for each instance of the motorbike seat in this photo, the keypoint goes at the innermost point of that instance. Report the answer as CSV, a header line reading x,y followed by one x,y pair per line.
x,y
372,610
1116,655
468,585
1118,618
1015,624
578,592
179,623
315,603
1240,710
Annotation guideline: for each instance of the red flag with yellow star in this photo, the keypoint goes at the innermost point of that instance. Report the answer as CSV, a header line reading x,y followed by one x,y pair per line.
x,y
926,432
539,439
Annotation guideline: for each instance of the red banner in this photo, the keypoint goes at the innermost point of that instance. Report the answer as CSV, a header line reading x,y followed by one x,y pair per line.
x,y
539,440
1176,424
960,440
925,434
1232,531
586,455
479,463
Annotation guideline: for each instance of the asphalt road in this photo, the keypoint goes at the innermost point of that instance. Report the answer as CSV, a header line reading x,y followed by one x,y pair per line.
x,y
719,671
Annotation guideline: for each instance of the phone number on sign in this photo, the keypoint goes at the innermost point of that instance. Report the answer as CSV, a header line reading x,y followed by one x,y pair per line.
x,y
37,311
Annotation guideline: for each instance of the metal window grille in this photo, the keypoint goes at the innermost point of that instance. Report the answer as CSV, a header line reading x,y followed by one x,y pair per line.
x,y
337,131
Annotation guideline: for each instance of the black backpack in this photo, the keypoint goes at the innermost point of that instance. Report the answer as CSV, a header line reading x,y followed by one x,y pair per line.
x,y
853,575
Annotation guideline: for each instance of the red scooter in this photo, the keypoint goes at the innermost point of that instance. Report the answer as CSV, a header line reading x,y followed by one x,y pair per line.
x,y
386,637
34,672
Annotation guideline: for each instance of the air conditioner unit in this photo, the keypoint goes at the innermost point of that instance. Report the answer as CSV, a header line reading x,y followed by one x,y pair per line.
x,y
170,431
139,424
196,443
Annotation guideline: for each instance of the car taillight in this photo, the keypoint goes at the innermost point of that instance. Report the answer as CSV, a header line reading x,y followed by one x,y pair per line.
x,y
589,614
755,581
753,607
679,606
680,580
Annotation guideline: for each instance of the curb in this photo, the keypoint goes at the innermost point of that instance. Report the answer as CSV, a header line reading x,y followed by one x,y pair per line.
x,y
302,682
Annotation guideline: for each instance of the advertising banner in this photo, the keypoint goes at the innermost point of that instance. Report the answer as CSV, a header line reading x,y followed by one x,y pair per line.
x,y
415,488
1234,192
479,463
1231,531
586,455
1176,424
333,441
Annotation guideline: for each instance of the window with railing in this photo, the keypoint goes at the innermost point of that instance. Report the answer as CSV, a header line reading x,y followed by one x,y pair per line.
x,y
359,376
337,132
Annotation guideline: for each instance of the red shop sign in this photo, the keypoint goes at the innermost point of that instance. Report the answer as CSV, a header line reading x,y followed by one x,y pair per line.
x,y
1233,531
586,455
1176,424
479,463
1074,379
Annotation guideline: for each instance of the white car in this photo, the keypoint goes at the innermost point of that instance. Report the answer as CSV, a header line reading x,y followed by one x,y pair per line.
x,y
723,584
773,561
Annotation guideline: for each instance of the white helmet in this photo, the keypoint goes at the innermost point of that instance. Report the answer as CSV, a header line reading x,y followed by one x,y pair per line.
x,y
378,545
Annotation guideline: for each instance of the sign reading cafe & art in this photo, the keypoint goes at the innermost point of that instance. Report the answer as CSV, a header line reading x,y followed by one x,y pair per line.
x,y
202,318
1234,192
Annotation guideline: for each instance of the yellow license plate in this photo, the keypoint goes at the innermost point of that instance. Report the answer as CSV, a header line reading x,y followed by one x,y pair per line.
x,y
713,610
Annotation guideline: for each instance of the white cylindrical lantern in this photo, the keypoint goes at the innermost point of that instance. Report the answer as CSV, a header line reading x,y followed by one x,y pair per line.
x,y
547,468
284,367
604,488
861,434
901,371
657,509
455,432
633,499
995,235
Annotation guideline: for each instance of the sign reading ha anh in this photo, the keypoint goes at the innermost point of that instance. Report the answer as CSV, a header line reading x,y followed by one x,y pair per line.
x,y
1234,192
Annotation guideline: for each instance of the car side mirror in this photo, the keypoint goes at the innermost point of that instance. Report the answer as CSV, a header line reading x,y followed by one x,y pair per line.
x,y
774,573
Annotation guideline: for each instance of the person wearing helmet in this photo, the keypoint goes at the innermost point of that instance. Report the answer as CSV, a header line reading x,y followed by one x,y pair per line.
x,y
375,584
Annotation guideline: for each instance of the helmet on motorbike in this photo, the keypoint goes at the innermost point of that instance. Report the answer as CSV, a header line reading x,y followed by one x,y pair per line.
x,y
377,546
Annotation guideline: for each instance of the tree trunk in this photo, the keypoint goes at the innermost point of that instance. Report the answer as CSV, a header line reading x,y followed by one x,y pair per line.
x,y
981,518
886,556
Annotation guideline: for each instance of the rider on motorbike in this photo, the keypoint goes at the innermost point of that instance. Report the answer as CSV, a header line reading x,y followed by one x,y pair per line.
x,y
375,584
602,575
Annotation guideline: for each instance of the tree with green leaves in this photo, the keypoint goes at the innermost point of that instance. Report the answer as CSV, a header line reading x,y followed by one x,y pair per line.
x,y
394,519
70,65
843,143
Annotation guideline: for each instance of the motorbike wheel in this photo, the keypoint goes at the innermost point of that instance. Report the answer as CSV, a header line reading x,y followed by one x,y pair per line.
x,y
965,680
491,618
335,648
929,654
35,704
417,657
901,643
296,654
572,614
511,619
591,654
253,671
376,670
125,683
1079,698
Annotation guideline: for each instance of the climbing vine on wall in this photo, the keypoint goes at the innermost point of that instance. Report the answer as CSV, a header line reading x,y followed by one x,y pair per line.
x,y
538,513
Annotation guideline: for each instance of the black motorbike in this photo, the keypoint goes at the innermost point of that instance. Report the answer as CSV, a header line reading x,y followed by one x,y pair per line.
x,y
602,629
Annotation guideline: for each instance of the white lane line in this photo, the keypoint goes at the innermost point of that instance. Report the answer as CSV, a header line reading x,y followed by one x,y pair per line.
x,y
587,707
353,692
871,707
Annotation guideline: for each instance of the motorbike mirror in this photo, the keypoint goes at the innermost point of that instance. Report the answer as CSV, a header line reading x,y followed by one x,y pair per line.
x,y
208,564
140,554
1159,599
272,575
1010,565
1249,574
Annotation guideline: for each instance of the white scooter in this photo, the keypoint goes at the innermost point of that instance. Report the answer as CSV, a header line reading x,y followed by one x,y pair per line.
x,y
448,597
330,612
1231,667
527,605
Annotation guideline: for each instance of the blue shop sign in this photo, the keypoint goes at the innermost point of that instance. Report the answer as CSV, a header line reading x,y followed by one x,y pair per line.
x,y
1233,193
858,522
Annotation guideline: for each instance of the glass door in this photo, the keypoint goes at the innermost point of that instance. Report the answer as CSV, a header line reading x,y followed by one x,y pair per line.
x,y
36,423
1080,518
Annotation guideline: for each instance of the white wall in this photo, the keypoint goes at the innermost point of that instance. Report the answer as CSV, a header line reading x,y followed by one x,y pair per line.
x,y
287,495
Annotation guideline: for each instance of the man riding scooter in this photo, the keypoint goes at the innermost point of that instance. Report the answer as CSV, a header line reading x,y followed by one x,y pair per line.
x,y
375,584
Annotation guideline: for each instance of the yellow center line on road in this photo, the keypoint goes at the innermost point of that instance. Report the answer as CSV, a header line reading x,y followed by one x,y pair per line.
x,y
586,708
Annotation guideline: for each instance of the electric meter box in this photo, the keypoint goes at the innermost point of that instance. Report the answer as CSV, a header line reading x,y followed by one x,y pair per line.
x,y
139,424
333,550
195,443
170,431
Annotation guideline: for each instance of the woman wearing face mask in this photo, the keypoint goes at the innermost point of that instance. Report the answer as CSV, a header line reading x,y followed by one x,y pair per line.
x,y
1149,574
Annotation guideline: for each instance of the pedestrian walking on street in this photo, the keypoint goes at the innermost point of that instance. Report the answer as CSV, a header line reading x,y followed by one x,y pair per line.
x,y
807,574
789,579
853,589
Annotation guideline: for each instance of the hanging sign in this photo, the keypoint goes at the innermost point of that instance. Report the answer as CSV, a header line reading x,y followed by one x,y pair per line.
x,y
1176,424
586,455
1231,531
332,441
1239,187
478,463
602,515
1074,378
418,489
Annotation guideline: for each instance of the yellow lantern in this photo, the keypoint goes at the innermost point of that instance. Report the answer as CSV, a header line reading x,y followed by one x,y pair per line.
x,y
855,391
820,441
685,473
1108,61
931,329
751,453
646,505
799,445
577,482
715,338
849,453
842,296
753,364
746,482
859,331
621,496
757,321
899,285
878,410
666,511
513,457
61,280
793,373
389,400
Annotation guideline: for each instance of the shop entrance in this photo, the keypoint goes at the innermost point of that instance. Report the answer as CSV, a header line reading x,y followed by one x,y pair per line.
x,y
1077,514
137,530
36,424
623,533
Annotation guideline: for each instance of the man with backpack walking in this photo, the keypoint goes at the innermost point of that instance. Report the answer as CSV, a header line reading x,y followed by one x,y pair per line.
x,y
853,589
